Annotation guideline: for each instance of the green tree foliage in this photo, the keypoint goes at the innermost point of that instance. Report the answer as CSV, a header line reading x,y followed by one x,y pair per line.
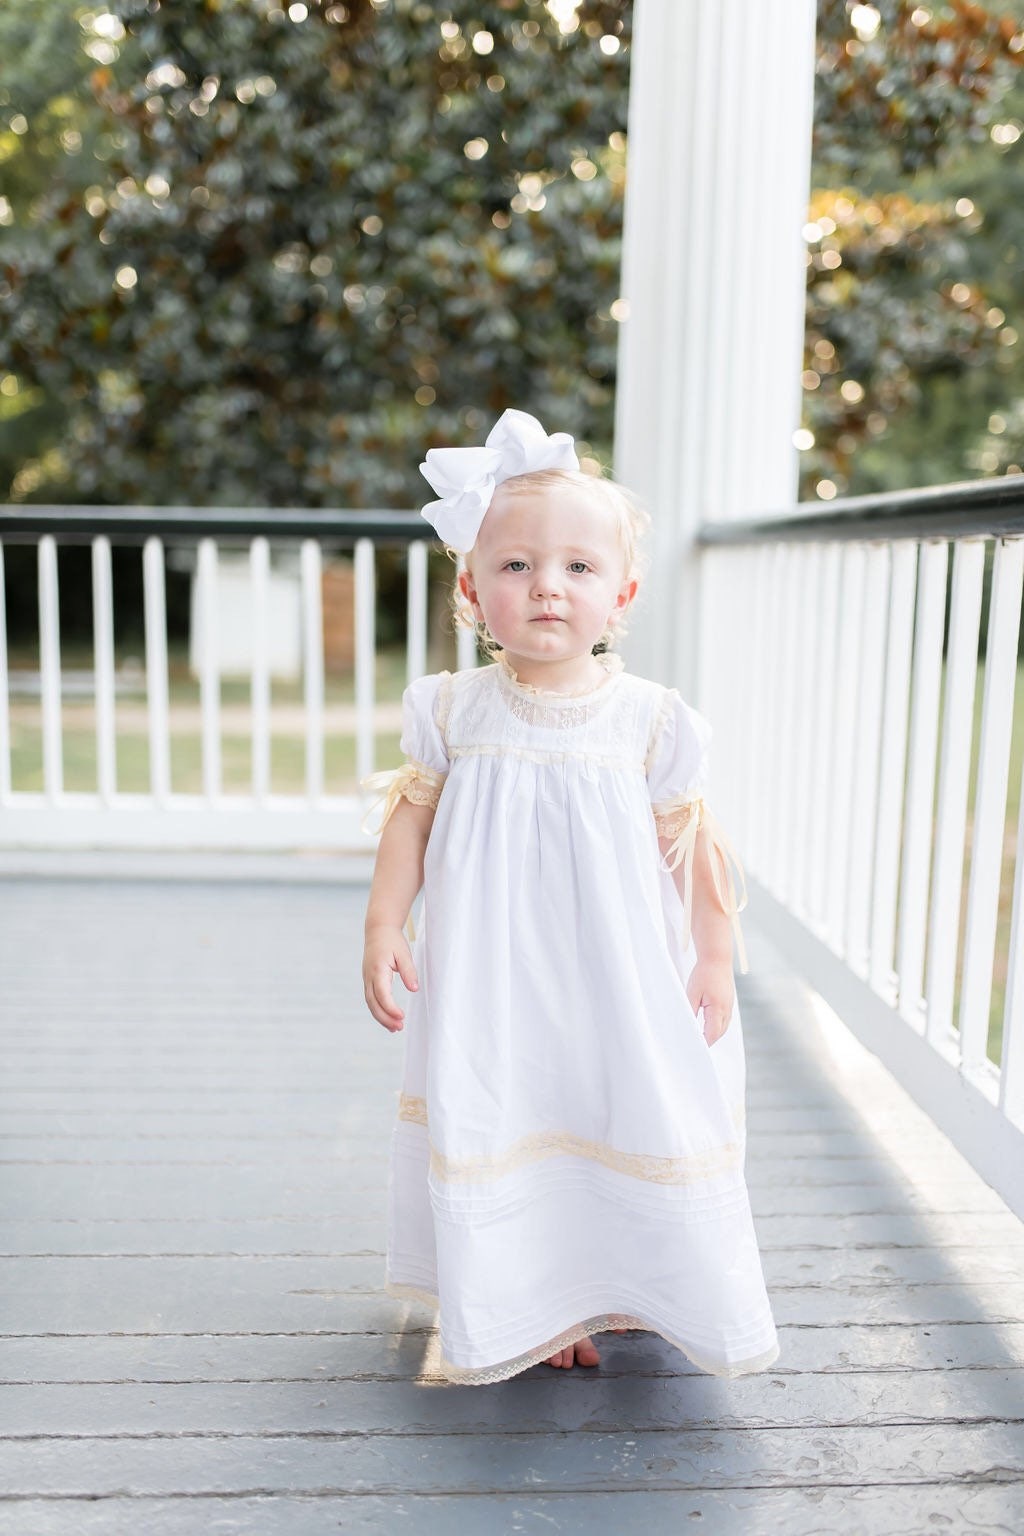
x,y
321,239
258,252
915,234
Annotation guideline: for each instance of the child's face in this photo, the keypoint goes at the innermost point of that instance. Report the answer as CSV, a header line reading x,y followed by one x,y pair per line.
x,y
556,553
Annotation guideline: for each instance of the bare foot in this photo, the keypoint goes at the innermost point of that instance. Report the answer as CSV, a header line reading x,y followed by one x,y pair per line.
x,y
582,1352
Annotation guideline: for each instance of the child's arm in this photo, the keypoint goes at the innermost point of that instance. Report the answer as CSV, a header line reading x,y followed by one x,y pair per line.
x,y
697,851
710,984
397,877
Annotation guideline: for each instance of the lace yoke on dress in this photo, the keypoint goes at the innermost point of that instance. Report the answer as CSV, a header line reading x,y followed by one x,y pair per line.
x,y
625,724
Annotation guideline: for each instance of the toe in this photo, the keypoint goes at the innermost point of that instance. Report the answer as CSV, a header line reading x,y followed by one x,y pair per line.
x,y
586,1353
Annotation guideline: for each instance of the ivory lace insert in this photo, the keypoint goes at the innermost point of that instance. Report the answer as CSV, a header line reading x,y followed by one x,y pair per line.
x,y
681,819
489,713
689,1169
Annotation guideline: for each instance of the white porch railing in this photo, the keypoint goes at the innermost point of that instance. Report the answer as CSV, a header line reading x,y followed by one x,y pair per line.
x,y
845,754
162,815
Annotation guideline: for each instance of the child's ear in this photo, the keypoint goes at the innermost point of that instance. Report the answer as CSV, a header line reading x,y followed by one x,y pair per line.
x,y
467,588
626,594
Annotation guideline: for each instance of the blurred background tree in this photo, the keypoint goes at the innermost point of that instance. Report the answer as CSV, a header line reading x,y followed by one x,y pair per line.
x,y
304,244
265,253
915,306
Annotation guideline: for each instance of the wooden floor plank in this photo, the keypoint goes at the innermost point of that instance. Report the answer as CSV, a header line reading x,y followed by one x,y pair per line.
x,y
531,1404
387,1354
575,1460
891,1510
194,1125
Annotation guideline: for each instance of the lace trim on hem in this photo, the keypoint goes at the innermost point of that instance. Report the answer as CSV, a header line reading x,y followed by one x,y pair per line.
x,y
481,1375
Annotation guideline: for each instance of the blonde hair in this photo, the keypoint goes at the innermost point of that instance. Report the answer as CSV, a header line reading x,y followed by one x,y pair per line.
x,y
632,520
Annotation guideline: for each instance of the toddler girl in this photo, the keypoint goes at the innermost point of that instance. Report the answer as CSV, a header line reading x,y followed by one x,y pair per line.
x,y
568,1151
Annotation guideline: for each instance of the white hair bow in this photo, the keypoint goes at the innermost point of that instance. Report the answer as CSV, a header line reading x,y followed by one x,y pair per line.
x,y
466,478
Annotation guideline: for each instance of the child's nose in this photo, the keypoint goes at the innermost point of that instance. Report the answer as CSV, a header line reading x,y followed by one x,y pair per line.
x,y
547,583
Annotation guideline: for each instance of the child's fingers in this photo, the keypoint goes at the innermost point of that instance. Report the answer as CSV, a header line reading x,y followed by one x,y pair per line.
x,y
406,970
716,1022
379,999
389,1022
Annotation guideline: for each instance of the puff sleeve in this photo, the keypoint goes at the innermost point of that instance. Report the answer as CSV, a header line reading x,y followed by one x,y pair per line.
x,y
421,777
677,777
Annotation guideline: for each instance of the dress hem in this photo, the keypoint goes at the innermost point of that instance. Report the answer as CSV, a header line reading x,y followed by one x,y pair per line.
x,y
599,1323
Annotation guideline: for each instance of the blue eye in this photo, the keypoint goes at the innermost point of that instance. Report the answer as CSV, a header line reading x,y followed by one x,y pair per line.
x,y
516,565
578,567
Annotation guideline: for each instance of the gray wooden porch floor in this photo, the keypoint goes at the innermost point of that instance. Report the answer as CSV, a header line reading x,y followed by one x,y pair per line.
x,y
195,1112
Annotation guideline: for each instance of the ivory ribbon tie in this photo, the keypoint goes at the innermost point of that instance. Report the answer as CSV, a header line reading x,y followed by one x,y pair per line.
x,y
387,787
681,851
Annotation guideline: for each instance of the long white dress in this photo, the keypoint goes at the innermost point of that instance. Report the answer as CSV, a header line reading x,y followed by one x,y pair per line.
x,y
568,1150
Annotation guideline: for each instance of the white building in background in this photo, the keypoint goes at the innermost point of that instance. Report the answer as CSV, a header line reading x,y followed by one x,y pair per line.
x,y
234,616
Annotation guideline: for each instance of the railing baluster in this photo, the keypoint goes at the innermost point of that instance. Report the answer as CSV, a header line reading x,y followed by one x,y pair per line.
x,y
804,729
416,611
5,698
954,782
155,605
1011,1073
741,676
760,661
49,668
208,620
313,665
792,598
825,707
892,767
866,756
259,681
103,668
766,821
924,727
365,606
990,802
842,786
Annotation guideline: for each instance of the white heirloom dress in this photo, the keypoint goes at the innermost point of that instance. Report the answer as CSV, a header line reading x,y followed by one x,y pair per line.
x,y
568,1152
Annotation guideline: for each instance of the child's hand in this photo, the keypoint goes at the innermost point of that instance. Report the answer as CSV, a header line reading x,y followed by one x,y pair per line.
x,y
385,952
710,986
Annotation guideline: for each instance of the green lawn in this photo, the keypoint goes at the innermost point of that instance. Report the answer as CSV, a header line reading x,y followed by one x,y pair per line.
x,y
287,762
287,756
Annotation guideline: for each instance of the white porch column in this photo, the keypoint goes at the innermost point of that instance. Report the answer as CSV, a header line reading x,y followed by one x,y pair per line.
x,y
720,118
